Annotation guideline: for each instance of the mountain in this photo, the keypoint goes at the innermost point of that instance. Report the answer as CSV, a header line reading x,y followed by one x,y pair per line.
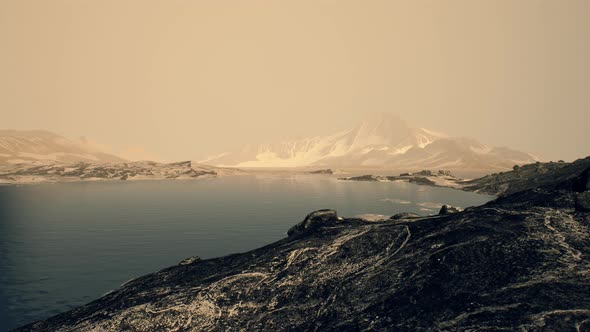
x,y
518,263
382,141
38,145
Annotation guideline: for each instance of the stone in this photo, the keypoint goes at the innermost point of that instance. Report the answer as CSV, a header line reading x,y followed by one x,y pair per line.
x,y
422,181
189,260
405,215
582,182
583,201
448,209
314,220
367,177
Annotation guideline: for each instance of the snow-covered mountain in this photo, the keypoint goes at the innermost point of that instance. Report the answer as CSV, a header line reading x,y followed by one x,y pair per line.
x,y
383,141
38,145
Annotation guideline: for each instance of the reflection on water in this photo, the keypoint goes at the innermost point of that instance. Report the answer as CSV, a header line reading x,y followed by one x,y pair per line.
x,y
63,245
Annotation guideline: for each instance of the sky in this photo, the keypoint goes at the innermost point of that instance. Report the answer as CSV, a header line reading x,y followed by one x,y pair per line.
x,y
181,79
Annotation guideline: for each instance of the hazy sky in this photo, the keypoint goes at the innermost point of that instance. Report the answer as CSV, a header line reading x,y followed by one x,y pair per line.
x,y
181,79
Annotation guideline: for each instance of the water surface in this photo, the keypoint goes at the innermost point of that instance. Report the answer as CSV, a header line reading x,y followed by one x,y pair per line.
x,y
63,245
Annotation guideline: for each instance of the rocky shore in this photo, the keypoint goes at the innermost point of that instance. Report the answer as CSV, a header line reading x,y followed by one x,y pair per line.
x,y
519,263
504,183
39,172
440,178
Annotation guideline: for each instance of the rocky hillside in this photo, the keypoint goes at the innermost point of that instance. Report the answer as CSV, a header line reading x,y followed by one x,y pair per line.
x,y
519,263
527,177
521,178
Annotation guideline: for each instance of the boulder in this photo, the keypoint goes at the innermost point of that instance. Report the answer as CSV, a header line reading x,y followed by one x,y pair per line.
x,y
190,260
448,209
583,201
405,215
582,182
315,219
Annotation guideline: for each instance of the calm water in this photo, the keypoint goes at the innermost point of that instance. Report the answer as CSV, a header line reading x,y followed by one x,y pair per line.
x,y
63,245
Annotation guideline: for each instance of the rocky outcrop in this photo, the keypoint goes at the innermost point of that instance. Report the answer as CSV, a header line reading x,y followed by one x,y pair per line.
x,y
440,172
440,178
405,215
422,181
519,263
521,178
448,209
532,176
581,185
583,201
313,220
367,177
582,182
323,171
189,260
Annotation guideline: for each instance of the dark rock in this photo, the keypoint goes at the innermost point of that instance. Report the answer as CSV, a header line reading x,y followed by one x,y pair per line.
x,y
533,176
322,171
190,260
125,177
444,173
422,181
367,177
420,178
582,182
425,173
313,220
448,209
583,201
405,215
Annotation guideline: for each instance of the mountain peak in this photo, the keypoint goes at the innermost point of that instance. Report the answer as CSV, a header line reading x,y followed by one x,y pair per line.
x,y
380,129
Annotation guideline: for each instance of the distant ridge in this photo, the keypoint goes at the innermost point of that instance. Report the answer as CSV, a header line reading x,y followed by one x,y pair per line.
x,y
383,140
25,146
